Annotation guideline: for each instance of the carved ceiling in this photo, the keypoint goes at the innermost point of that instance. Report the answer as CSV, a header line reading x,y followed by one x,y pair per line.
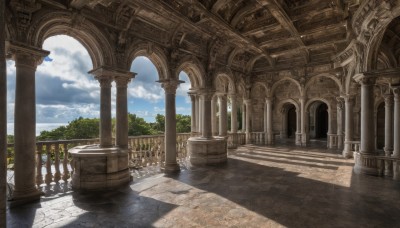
x,y
253,35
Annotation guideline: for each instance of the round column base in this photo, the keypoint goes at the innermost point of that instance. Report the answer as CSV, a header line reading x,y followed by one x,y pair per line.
x,y
171,168
207,151
24,197
367,164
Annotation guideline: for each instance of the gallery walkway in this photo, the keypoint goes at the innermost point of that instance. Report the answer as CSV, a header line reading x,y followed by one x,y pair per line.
x,y
259,187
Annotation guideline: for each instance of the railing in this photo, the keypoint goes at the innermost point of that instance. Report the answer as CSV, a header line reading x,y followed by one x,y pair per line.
x,y
354,146
257,138
54,159
386,165
236,139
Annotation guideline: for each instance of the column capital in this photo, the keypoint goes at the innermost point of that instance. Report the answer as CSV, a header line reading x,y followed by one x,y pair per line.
x,y
25,55
339,103
388,97
396,91
247,101
207,94
365,79
232,96
269,100
121,81
170,85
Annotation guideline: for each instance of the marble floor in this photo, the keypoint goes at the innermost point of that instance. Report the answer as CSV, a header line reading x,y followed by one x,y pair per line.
x,y
258,187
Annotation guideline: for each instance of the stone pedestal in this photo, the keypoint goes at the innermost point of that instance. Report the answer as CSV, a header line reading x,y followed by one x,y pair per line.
x,y
96,168
207,151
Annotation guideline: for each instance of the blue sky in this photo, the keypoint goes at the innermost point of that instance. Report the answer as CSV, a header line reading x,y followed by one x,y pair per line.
x,y
65,91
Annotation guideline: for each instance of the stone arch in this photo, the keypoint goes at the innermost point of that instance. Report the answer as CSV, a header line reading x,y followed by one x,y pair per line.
x,y
276,84
370,23
51,23
325,75
194,69
282,103
154,53
225,75
320,99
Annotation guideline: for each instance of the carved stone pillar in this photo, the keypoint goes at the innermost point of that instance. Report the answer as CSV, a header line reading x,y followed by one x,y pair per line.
x,y
270,133
206,98
303,122
194,113
339,132
170,87
298,133
105,111
26,61
388,124
349,125
223,115
200,113
248,106
366,164
214,125
234,126
3,119
121,137
396,122
243,117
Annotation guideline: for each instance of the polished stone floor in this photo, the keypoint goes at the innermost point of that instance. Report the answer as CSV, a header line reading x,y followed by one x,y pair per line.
x,y
258,187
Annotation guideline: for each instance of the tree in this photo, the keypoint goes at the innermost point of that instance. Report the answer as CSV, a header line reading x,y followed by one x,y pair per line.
x,y
82,128
159,125
55,134
183,123
138,126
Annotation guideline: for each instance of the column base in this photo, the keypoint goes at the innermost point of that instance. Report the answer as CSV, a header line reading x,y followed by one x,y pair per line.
x,y
97,169
367,164
203,151
171,168
24,197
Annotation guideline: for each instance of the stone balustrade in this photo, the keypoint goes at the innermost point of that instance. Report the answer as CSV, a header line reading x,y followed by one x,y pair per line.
x,y
332,141
385,165
257,138
353,145
236,139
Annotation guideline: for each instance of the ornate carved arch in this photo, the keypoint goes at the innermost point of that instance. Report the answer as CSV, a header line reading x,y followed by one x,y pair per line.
x,y
323,75
50,23
154,53
288,101
320,99
276,84
228,75
195,70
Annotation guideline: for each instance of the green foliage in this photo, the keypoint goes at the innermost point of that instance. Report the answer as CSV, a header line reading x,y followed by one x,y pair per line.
x,y
183,123
159,125
138,126
10,138
83,128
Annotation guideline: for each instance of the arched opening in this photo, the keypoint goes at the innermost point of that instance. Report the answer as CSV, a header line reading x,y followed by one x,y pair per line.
x,y
318,120
291,122
321,121
380,126
145,99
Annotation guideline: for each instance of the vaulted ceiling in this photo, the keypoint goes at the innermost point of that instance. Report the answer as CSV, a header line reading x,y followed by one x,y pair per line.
x,y
250,35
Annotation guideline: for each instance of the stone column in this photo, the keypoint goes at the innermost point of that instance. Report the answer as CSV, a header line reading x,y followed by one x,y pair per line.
x,y
388,124
248,120
105,111
170,87
265,122
396,122
223,114
366,164
206,99
234,122
121,137
214,124
26,61
200,113
339,132
349,125
298,133
194,113
3,119
303,122
243,117
270,133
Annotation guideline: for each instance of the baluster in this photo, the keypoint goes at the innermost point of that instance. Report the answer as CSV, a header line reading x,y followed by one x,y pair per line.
x,y
39,176
65,176
49,175
57,175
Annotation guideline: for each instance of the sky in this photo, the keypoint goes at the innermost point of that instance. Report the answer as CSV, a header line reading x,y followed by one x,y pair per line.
x,y
65,91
